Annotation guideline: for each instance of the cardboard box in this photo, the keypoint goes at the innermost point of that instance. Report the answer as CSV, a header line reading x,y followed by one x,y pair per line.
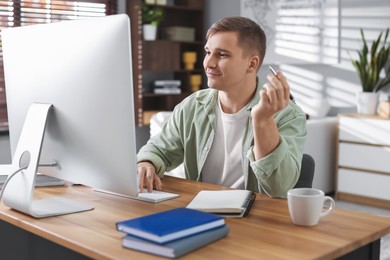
x,y
161,2
178,33
384,109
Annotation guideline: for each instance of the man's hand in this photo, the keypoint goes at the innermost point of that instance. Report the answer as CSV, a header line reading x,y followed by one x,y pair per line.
x,y
274,96
148,177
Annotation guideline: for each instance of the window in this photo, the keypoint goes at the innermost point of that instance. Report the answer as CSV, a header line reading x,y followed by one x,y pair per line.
x,y
28,12
298,32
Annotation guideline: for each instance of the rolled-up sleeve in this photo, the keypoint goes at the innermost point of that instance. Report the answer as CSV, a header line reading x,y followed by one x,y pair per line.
x,y
279,171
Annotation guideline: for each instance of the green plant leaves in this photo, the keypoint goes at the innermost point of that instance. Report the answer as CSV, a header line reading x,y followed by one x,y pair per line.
x,y
371,62
151,14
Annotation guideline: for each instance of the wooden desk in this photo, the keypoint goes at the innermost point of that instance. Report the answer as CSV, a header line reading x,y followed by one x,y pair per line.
x,y
267,233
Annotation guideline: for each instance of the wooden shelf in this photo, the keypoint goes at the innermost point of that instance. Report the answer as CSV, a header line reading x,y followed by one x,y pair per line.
x,y
163,58
181,8
154,95
180,42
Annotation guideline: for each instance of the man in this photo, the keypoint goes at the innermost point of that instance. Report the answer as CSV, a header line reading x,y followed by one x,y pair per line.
x,y
235,133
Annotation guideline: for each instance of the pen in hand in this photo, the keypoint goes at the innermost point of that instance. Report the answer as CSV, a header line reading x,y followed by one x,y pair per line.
x,y
274,72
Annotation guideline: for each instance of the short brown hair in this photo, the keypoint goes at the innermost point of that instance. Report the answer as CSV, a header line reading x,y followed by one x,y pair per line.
x,y
250,35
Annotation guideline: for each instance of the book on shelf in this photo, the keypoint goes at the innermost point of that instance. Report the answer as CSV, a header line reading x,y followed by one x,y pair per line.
x,y
167,83
170,225
167,90
227,203
178,247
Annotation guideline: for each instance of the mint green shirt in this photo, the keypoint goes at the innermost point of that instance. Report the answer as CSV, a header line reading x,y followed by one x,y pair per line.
x,y
188,135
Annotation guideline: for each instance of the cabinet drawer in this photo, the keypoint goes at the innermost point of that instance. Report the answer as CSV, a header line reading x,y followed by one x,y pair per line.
x,y
366,157
364,130
364,184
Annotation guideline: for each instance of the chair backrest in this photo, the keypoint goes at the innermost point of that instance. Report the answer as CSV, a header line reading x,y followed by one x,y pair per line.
x,y
307,172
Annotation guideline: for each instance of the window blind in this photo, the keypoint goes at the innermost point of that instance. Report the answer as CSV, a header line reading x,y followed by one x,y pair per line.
x,y
29,12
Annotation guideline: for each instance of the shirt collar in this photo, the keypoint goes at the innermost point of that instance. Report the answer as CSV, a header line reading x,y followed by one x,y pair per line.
x,y
256,97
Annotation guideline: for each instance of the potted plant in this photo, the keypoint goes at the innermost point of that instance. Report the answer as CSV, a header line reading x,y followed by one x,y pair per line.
x,y
151,17
369,65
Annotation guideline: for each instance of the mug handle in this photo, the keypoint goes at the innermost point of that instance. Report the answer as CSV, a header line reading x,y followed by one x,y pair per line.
x,y
331,207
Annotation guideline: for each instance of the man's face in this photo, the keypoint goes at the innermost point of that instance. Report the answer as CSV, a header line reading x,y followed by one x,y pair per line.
x,y
225,65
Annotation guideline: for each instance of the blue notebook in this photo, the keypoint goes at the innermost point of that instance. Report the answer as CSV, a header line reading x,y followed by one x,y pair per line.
x,y
170,225
177,247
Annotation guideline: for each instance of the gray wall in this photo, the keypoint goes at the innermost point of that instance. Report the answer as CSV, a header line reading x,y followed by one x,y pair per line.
x,y
217,9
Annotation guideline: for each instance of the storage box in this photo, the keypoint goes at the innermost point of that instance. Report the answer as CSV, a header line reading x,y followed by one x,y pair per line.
x,y
384,109
178,33
161,2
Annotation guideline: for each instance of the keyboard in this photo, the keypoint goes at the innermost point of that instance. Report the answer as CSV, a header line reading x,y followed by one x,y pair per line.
x,y
155,196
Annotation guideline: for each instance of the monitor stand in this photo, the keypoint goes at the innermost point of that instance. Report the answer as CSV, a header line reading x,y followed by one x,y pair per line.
x,y
19,192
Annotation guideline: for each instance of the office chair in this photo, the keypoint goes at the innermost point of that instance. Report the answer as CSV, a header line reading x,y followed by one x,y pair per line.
x,y
307,172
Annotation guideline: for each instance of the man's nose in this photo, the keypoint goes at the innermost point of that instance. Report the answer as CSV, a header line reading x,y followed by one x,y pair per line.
x,y
209,61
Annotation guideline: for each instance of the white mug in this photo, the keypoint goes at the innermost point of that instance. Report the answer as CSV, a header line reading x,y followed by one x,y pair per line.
x,y
306,206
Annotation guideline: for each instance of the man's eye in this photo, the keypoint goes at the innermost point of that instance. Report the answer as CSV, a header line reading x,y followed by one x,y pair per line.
x,y
222,55
207,52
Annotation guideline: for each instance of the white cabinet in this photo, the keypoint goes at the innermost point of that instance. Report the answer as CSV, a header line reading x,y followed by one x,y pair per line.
x,y
363,161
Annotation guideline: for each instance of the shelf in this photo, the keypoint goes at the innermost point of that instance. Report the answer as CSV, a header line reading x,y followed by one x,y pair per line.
x,y
162,59
180,42
154,95
196,71
180,8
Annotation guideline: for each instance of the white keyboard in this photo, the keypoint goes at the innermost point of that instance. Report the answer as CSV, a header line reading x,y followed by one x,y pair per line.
x,y
155,196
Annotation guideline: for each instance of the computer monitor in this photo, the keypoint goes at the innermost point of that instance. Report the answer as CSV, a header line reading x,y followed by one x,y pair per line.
x,y
73,82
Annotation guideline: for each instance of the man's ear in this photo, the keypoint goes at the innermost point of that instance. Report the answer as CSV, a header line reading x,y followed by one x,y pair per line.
x,y
254,63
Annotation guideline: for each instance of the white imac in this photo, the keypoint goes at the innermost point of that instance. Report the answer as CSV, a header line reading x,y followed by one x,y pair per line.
x,y
69,86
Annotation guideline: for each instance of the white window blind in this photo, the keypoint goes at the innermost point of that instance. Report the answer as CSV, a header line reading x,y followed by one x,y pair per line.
x,y
28,12
298,31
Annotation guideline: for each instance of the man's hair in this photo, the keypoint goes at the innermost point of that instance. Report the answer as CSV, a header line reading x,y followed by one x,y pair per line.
x,y
251,38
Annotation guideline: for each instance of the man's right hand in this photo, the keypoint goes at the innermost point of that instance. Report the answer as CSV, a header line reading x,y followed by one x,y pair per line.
x,y
148,177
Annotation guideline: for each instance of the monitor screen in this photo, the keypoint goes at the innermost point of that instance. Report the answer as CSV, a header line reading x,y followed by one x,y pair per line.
x,y
84,69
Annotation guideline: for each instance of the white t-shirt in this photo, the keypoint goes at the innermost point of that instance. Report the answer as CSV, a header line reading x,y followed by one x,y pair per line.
x,y
223,165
